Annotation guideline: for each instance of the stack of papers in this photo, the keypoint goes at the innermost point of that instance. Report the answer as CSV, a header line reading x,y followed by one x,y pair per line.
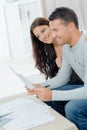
x,y
26,114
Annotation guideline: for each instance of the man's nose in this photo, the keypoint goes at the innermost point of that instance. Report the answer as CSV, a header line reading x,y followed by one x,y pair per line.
x,y
54,35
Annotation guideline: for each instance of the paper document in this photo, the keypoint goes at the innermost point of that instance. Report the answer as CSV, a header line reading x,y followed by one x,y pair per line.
x,y
27,83
26,114
4,113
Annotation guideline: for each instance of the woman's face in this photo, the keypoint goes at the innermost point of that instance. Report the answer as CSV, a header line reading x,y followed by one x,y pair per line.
x,y
43,33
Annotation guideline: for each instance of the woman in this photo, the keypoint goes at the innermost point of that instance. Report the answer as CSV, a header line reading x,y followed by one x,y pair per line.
x,y
45,48
48,54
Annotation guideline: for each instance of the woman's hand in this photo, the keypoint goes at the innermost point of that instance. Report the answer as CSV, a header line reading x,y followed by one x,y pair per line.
x,y
59,61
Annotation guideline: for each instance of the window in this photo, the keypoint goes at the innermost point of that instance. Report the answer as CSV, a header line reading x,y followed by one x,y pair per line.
x,y
16,17
15,44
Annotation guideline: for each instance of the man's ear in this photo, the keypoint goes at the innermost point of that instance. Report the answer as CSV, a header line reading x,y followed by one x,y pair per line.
x,y
71,26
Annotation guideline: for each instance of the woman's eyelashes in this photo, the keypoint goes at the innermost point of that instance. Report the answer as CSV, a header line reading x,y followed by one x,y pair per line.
x,y
43,30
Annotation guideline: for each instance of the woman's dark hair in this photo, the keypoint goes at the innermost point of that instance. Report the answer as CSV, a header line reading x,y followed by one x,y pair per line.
x,y
44,54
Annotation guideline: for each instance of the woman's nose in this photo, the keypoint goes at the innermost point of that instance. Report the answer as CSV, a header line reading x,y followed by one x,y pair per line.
x,y
42,37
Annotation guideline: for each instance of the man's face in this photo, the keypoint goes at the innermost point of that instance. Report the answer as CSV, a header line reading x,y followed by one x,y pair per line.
x,y
60,31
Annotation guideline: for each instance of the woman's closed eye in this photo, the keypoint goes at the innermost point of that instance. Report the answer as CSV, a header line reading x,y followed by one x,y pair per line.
x,y
38,37
43,30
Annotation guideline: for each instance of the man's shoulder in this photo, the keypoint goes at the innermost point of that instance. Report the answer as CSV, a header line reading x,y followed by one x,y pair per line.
x,y
84,31
85,37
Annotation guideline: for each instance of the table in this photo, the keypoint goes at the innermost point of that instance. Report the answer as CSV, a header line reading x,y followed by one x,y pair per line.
x,y
60,123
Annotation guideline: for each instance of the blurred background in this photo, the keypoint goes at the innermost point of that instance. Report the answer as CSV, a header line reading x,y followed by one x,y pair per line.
x,y
15,43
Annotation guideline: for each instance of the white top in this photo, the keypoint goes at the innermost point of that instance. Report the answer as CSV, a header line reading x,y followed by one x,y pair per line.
x,y
75,57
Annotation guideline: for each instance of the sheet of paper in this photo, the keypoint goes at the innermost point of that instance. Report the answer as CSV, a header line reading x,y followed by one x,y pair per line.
x,y
4,112
26,114
23,79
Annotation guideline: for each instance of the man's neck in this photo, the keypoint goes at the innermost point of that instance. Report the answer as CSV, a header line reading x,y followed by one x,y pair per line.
x,y
75,38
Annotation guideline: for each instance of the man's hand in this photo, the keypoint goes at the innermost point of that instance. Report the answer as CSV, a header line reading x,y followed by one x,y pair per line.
x,y
43,94
32,91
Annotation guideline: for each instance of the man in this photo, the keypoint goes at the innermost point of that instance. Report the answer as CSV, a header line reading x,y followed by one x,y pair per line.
x,y
64,25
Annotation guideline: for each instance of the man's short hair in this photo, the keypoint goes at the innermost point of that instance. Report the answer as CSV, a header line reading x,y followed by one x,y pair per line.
x,y
65,14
